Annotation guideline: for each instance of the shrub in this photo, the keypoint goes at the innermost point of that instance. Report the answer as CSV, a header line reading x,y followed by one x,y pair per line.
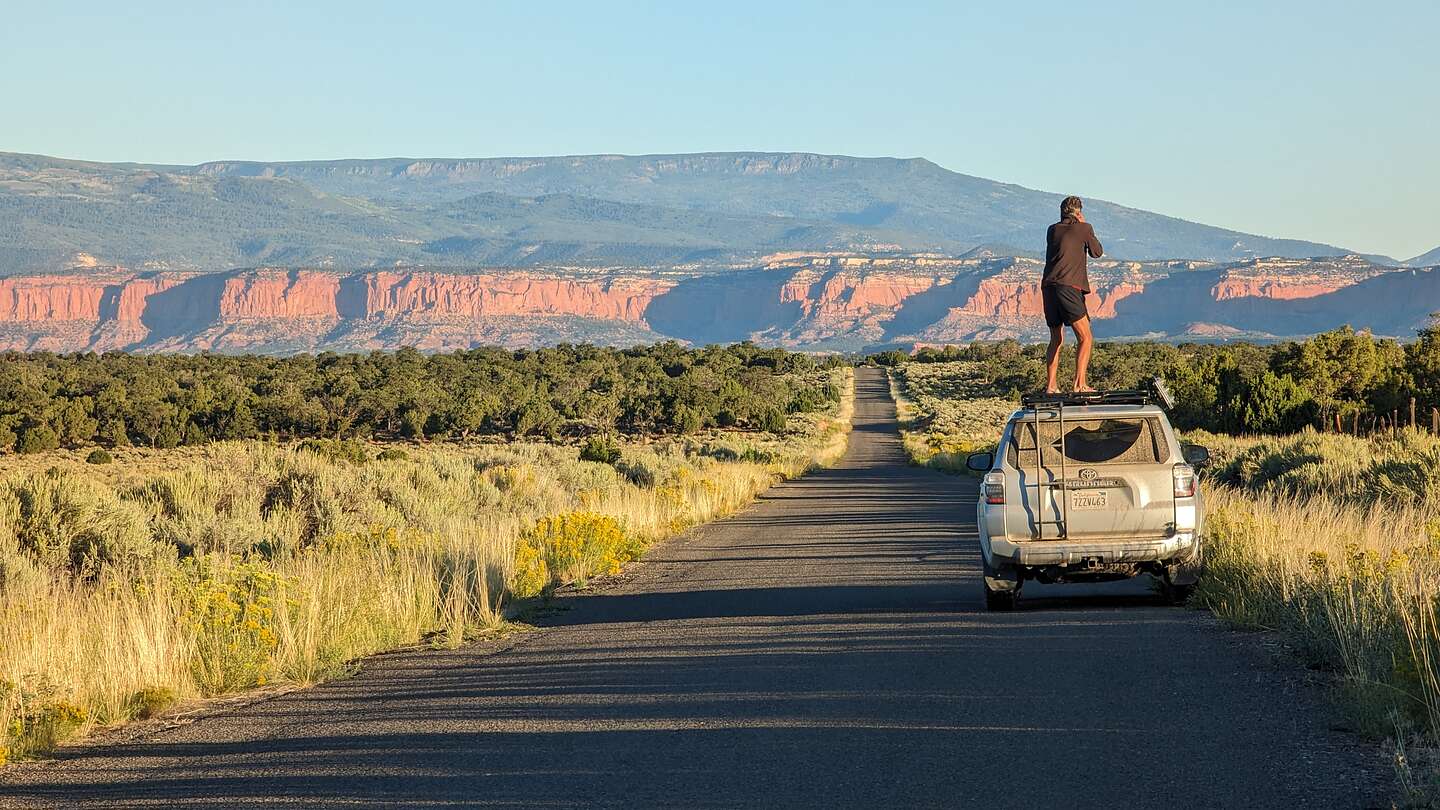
x,y
687,420
37,439
754,455
66,522
772,420
601,449
412,424
311,495
99,456
640,472
351,450
167,437
532,573
392,454
509,478
39,731
573,547
720,452
232,615
1270,404
151,701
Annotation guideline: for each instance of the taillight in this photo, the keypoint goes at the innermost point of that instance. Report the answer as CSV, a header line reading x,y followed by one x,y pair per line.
x,y
1184,476
994,487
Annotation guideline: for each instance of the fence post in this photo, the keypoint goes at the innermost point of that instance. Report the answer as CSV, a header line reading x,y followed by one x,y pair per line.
x,y
1435,420
1412,413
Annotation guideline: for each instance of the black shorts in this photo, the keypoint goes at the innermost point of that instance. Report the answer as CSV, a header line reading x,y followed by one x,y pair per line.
x,y
1063,304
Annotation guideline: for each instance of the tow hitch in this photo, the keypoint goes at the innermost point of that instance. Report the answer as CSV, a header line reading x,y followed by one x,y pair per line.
x,y
1086,569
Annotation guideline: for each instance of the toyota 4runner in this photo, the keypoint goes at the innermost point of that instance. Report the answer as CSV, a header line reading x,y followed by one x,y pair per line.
x,y
1089,487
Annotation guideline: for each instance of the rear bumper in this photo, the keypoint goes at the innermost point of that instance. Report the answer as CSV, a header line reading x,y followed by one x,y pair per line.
x,y
1180,546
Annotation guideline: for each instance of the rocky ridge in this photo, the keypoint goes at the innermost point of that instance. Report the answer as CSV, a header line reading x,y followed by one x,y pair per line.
x,y
828,301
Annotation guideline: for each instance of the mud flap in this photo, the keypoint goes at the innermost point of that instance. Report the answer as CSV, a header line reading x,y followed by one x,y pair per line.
x,y
1002,579
1184,573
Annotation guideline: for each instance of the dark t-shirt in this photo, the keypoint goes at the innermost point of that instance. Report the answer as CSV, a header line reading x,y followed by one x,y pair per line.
x,y
1066,245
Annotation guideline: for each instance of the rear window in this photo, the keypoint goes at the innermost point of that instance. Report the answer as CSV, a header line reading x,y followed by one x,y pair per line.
x,y
1124,440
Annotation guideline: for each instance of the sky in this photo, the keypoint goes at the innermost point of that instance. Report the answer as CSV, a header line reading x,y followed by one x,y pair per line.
x,y
1314,120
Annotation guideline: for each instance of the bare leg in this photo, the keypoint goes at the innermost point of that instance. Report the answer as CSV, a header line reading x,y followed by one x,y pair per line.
x,y
1052,359
1082,354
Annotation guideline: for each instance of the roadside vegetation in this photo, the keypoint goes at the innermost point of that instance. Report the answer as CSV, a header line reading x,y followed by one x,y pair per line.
x,y
142,578
1334,541
947,411
1351,379
1331,540
50,401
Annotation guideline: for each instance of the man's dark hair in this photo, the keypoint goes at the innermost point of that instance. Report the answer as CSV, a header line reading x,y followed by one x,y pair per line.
x,y
1070,206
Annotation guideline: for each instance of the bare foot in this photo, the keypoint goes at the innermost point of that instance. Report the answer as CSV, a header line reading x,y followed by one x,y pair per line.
x,y
1053,389
1084,389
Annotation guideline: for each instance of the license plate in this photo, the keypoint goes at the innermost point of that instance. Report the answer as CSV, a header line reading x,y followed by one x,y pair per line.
x,y
1095,499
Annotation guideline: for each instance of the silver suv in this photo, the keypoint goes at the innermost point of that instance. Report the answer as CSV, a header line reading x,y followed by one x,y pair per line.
x,y
1089,487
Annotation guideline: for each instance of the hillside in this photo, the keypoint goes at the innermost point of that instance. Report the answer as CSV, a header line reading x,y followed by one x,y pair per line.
x,y
1426,259
802,301
716,210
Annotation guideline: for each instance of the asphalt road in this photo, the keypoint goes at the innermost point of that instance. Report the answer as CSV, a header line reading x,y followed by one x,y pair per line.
x,y
827,646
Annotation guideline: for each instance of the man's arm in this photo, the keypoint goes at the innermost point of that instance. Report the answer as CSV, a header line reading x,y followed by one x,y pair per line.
x,y
1092,243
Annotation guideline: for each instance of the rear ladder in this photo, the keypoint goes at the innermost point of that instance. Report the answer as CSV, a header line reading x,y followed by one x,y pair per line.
x,y
1041,484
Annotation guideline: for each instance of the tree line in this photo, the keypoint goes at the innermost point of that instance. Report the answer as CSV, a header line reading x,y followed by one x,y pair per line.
x,y
117,399
1342,377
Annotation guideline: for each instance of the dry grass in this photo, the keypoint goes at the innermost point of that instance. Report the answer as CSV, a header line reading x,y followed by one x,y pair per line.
x,y
176,575
1400,469
1355,590
1334,541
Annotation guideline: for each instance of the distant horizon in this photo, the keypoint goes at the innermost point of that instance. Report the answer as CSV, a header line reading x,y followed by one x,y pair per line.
x,y
641,155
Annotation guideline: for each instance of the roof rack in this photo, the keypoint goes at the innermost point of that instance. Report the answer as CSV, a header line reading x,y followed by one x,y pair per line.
x,y
1135,397
1155,391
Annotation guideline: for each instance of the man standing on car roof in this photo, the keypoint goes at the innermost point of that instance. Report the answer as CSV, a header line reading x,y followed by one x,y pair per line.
x,y
1063,287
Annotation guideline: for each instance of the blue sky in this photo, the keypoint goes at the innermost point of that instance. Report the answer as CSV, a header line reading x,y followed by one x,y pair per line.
x,y
1312,120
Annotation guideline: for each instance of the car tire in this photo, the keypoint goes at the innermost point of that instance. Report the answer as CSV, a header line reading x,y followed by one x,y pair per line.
x,y
1176,594
1000,599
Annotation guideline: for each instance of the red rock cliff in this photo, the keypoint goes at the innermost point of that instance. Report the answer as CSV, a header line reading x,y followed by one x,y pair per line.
x,y
795,300
250,310
280,294
50,298
1002,298
390,294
